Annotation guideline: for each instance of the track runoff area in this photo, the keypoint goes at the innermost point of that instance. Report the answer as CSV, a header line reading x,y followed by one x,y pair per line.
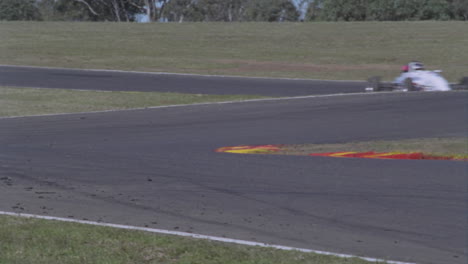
x,y
197,236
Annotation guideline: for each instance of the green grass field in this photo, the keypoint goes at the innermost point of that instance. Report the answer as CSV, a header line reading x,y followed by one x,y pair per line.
x,y
33,101
322,50
47,242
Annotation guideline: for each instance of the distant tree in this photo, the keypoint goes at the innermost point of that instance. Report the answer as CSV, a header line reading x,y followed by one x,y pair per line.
x,y
235,10
407,9
230,10
422,9
154,9
219,10
203,10
302,6
47,9
313,11
271,11
182,10
99,10
458,9
434,10
360,10
70,10
19,10
212,10
381,10
344,10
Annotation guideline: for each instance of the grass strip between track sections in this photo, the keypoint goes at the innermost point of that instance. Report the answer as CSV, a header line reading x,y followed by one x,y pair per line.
x,y
26,240
32,101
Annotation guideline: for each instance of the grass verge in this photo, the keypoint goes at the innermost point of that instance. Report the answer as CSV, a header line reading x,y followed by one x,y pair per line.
x,y
32,101
24,240
457,147
322,50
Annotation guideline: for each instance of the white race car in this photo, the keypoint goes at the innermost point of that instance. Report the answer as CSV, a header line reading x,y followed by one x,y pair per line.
x,y
415,78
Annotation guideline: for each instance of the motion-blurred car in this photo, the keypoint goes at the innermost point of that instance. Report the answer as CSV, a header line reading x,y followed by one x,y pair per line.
x,y
415,78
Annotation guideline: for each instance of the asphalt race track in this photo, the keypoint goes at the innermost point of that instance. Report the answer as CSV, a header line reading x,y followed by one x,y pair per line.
x,y
153,82
157,168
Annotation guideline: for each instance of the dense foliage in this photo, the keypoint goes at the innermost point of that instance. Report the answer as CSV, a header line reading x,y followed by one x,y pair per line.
x,y
393,10
234,10
19,10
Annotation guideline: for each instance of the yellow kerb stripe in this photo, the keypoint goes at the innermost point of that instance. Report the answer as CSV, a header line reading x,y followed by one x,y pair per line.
x,y
340,154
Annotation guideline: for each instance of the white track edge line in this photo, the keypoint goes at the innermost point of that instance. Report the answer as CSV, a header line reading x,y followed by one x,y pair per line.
x,y
199,236
171,73
203,104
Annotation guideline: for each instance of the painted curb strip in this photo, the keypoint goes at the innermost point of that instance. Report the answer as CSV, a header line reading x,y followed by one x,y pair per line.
x,y
386,155
198,236
265,149
250,149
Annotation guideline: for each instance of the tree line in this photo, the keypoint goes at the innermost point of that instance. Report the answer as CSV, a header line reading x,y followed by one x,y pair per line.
x,y
388,10
233,10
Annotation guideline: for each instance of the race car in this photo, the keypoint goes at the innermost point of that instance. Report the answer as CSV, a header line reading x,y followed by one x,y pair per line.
x,y
415,78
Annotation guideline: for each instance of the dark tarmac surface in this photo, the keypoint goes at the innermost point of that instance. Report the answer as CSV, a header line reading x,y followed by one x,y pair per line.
x,y
158,168
147,82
